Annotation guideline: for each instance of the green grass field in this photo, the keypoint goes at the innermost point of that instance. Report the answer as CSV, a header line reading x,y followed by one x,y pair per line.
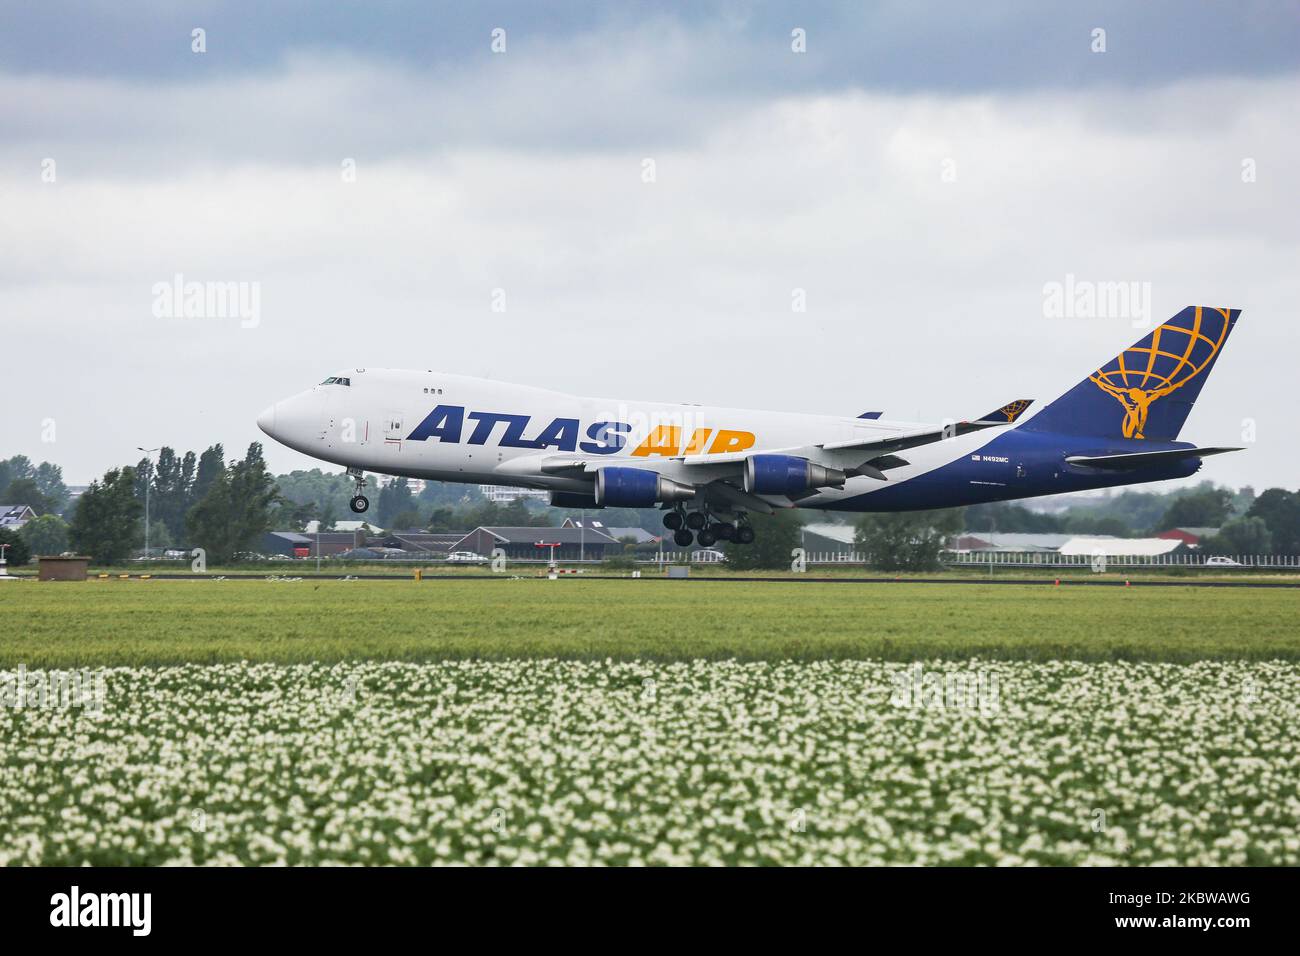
x,y
171,622
526,721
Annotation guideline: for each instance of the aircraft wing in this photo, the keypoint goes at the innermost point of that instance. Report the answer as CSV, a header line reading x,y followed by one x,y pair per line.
x,y
908,439
869,456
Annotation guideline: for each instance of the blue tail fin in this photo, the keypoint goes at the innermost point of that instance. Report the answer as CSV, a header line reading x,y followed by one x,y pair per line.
x,y
1008,413
1147,390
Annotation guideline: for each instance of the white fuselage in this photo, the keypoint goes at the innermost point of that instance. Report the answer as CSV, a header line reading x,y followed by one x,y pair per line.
x,y
446,427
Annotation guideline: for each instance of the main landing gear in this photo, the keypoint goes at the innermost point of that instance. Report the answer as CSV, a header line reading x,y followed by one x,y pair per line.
x,y
689,526
359,504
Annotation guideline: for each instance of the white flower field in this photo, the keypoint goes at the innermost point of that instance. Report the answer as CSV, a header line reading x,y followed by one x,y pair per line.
x,y
702,762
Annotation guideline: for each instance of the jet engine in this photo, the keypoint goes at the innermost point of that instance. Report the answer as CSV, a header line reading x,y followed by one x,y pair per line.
x,y
637,488
787,475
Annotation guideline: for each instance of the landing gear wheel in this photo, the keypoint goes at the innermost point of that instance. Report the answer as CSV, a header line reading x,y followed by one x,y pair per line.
x,y
695,520
360,504
724,531
683,538
673,520
707,538
744,535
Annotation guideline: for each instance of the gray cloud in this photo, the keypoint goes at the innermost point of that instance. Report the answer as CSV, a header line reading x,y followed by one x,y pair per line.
x,y
523,173
899,45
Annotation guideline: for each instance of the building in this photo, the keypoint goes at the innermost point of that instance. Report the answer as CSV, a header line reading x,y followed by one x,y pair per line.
x,y
1191,537
522,543
13,517
1046,545
983,541
504,494
291,543
1120,547
423,543
828,538
287,543
352,527
638,535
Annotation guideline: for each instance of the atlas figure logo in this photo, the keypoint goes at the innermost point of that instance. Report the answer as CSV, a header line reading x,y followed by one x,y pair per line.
x,y
447,423
1162,363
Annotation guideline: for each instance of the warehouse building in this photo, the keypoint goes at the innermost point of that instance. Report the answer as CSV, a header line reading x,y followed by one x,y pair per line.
x,y
573,544
638,535
423,543
292,544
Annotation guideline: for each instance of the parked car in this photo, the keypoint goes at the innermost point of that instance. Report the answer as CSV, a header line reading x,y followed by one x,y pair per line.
x,y
466,557
1218,561
359,554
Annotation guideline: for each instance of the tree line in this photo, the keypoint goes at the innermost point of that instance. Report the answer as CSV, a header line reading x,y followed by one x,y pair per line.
x,y
201,500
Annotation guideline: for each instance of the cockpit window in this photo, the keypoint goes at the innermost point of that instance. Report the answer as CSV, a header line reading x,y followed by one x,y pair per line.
x,y
337,380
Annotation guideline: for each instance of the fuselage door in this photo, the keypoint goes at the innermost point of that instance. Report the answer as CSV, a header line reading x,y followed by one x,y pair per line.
x,y
393,427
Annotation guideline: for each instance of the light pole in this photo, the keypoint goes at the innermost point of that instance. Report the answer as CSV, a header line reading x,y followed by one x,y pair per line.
x,y
148,481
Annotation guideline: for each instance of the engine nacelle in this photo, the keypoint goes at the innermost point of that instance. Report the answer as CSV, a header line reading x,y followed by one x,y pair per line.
x,y
572,499
637,488
787,475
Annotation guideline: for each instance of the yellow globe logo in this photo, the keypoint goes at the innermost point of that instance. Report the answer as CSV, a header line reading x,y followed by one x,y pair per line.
x,y
1163,362
1013,409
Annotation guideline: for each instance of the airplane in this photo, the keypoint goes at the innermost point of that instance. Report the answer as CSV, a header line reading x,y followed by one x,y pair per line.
x,y
708,468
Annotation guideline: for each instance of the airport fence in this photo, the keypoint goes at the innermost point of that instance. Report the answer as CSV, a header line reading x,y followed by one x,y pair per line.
x,y
1031,559
1050,559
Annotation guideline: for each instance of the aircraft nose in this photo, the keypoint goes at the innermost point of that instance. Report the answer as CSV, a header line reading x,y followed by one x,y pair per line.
x,y
266,421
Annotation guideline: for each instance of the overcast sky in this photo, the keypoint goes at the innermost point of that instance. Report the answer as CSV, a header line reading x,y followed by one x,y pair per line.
x,y
920,172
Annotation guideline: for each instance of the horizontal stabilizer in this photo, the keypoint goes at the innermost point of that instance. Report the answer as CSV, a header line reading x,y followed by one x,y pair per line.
x,y
1143,459
1008,413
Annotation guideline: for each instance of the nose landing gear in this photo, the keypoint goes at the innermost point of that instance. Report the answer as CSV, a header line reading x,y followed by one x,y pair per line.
x,y
359,504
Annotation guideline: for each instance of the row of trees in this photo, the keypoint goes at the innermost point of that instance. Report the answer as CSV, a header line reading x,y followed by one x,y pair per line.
x,y
199,499
1267,524
314,495
41,487
25,483
914,540
899,541
1128,514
